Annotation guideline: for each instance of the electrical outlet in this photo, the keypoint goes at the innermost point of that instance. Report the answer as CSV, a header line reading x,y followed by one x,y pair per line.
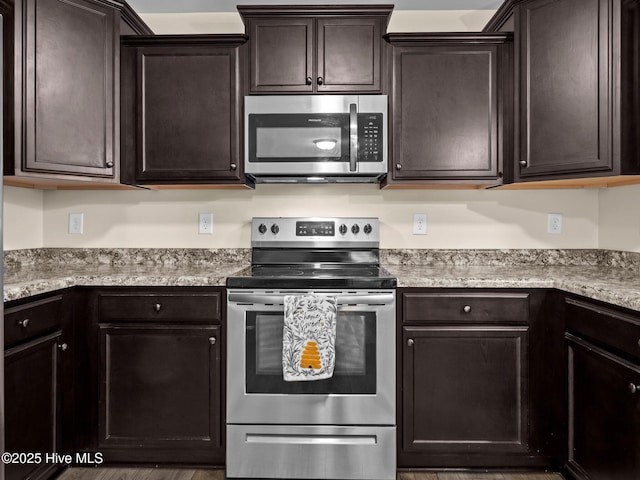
x,y
205,223
419,223
76,223
554,223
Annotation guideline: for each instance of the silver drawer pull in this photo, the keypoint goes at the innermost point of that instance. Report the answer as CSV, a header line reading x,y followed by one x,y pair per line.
x,y
157,307
466,309
633,388
212,340
63,346
410,342
24,323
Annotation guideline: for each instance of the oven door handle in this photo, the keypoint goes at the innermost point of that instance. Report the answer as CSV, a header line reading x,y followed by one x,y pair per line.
x,y
264,299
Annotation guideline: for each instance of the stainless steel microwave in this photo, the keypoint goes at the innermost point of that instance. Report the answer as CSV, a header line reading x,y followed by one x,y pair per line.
x,y
315,138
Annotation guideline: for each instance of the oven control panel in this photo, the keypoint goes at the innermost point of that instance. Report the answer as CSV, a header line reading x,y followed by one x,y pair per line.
x,y
335,231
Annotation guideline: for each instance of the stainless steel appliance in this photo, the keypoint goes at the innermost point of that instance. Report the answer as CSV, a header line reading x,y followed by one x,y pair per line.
x,y
315,138
343,427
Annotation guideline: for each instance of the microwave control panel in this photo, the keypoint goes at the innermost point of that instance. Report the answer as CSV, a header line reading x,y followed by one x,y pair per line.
x,y
370,143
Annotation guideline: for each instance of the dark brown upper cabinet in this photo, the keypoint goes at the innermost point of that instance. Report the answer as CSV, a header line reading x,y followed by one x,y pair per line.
x,y
577,98
316,49
62,89
450,109
181,110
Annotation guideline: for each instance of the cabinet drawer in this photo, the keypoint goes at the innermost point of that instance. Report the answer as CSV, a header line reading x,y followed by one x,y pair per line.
x,y
604,326
27,321
202,306
466,307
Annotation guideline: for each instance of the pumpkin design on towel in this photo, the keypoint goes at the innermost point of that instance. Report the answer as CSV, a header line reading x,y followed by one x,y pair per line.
x,y
308,337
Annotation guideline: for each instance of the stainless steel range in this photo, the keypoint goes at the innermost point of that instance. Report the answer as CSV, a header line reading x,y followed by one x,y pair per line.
x,y
343,427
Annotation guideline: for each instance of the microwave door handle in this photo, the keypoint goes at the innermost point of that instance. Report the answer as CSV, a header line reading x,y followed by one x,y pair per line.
x,y
353,137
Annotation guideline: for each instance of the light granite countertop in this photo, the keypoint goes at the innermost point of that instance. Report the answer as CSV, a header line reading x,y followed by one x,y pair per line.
x,y
612,277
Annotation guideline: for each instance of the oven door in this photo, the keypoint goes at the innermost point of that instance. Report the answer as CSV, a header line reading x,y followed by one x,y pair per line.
x,y
362,388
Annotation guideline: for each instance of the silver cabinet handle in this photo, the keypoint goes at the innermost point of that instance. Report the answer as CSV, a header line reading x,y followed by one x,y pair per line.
x,y
524,163
212,340
633,388
466,309
234,166
24,323
157,307
63,346
109,164
410,342
308,80
320,81
398,166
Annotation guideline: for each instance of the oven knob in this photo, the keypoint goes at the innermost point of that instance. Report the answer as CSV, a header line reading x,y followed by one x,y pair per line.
x,y
262,228
367,229
275,229
355,229
342,229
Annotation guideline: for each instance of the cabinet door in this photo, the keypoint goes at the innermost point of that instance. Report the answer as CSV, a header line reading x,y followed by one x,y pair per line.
x,y
565,91
32,404
348,55
465,390
66,66
604,414
159,393
282,55
445,112
188,120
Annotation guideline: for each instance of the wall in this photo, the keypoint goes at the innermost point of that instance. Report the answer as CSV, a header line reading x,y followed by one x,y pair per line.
x,y
619,224
456,218
23,218
401,21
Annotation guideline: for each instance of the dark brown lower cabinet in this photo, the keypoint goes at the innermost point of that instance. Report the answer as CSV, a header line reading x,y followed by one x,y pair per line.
x,y
604,414
160,377
37,385
32,406
465,389
474,378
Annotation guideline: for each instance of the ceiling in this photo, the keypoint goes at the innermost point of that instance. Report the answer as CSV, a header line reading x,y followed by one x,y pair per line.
x,y
191,6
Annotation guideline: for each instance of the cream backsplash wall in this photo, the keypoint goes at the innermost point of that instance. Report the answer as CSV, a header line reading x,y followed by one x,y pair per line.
x,y
619,215
23,218
456,218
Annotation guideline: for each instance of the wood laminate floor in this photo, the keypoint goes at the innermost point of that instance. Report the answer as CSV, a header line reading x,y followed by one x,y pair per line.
x,y
186,474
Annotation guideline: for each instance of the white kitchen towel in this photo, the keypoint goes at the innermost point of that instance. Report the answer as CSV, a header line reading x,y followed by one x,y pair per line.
x,y
308,337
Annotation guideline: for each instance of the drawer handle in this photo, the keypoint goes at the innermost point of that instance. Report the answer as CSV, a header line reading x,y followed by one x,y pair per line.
x,y
466,309
24,323
410,342
63,346
157,307
212,340
633,388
